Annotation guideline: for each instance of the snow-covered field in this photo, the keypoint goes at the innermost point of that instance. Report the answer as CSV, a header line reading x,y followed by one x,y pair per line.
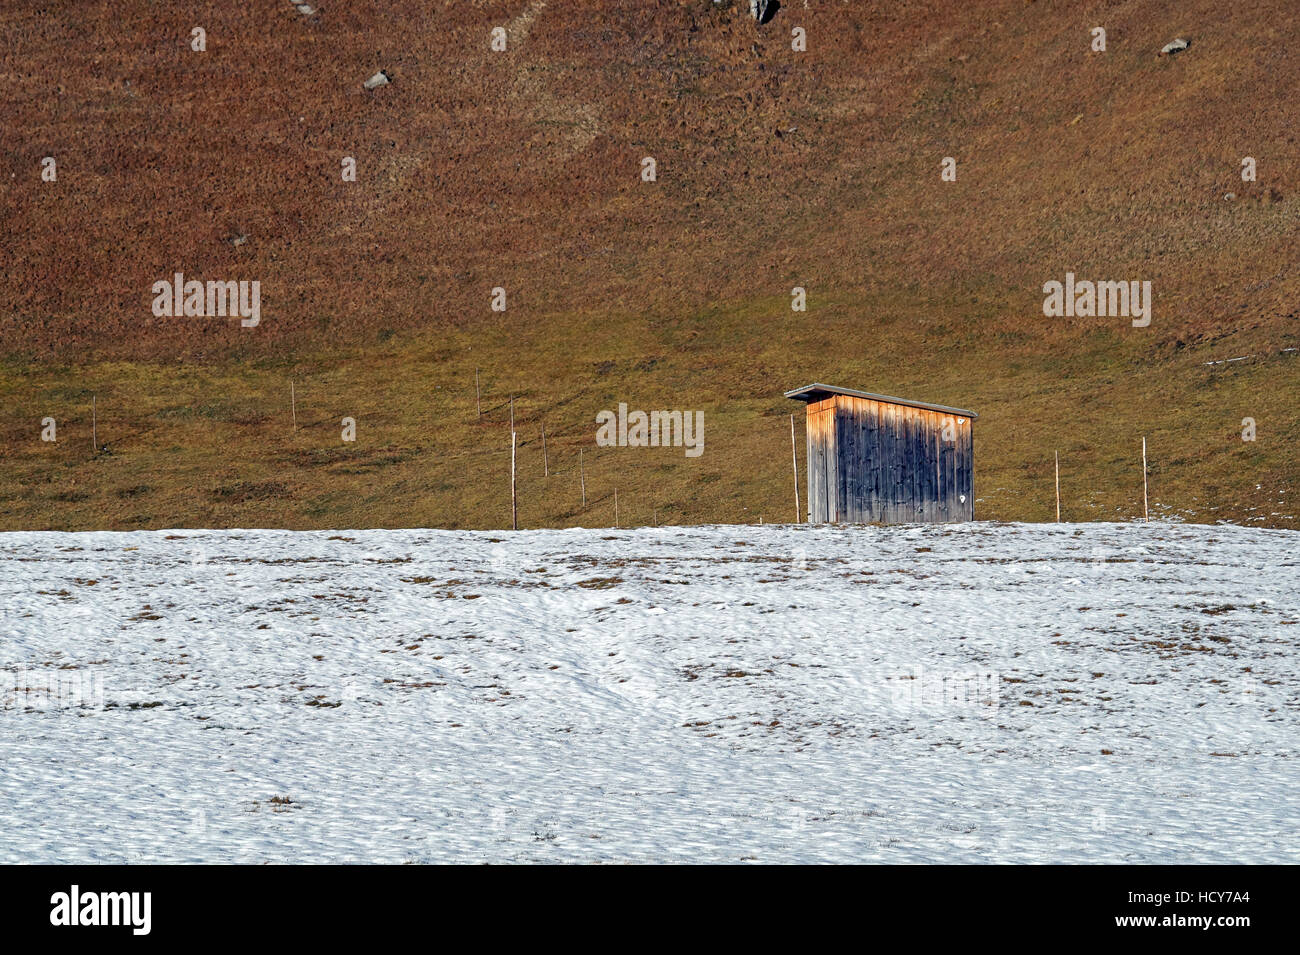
x,y
966,693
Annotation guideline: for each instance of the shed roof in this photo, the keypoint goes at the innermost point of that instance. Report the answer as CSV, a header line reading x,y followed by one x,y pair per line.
x,y
817,392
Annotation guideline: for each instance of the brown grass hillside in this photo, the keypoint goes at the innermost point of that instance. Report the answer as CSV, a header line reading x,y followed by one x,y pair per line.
x,y
521,169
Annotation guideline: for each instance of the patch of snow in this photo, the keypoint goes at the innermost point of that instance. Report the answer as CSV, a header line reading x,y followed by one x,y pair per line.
x,y
963,693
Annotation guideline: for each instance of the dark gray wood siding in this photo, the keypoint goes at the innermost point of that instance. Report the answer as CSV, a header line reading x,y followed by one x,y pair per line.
x,y
879,462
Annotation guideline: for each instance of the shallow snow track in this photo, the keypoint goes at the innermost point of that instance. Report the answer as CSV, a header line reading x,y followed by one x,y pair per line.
x,y
966,693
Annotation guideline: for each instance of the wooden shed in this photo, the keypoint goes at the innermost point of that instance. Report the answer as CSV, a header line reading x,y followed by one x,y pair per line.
x,y
874,458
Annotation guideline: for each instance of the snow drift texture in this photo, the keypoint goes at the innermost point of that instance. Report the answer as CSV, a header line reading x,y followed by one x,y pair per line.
x,y
1000,693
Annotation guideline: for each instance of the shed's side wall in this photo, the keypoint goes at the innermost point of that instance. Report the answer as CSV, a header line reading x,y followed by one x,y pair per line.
x,y
823,468
891,463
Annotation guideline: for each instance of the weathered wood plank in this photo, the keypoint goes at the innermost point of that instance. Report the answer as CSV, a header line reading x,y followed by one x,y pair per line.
x,y
816,469
897,464
924,468
823,455
929,503
844,461
916,463
952,506
810,494
944,486
870,448
862,489
907,458
866,442
833,510
932,465
970,471
960,497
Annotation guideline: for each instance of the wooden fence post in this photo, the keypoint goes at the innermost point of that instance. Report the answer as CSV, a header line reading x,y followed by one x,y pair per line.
x,y
546,461
1058,487
514,499
478,396
1145,515
94,427
582,476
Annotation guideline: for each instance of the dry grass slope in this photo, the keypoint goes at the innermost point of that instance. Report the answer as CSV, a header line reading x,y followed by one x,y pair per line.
x,y
521,169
